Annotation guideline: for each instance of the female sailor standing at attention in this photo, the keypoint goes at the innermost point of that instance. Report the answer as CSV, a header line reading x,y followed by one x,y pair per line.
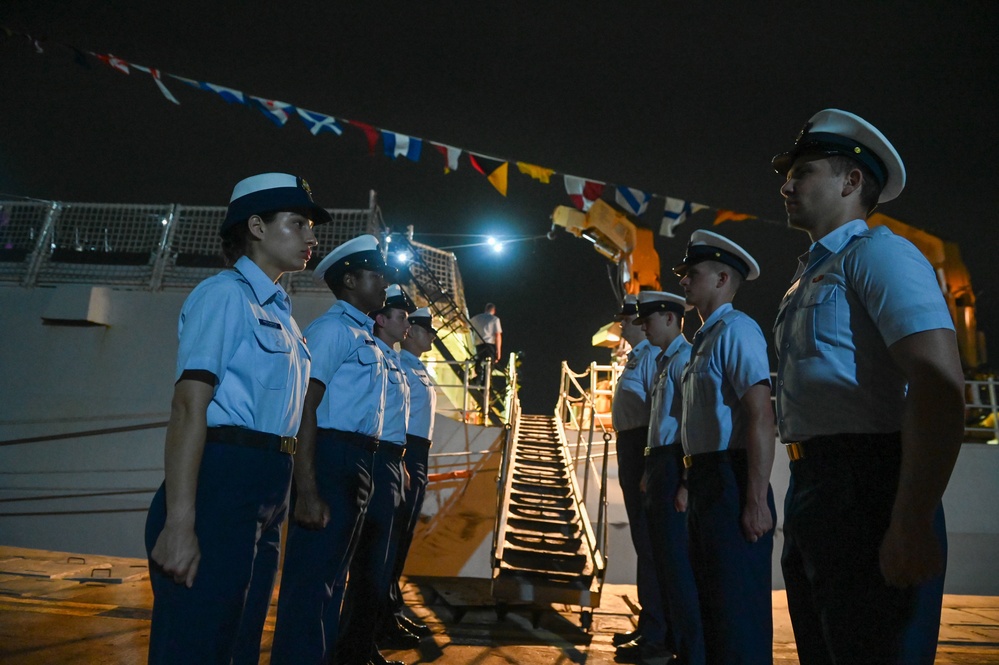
x,y
242,370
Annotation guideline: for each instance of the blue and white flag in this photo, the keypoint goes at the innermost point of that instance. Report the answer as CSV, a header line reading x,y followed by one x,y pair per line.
x,y
400,144
675,213
633,200
320,122
158,79
276,112
228,94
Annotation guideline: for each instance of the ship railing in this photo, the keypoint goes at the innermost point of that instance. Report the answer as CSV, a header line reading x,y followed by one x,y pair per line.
x,y
477,401
587,409
152,246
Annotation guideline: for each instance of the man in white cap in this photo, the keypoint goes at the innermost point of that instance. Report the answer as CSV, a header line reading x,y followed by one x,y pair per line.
x,y
870,405
364,601
419,436
630,419
341,427
728,439
660,315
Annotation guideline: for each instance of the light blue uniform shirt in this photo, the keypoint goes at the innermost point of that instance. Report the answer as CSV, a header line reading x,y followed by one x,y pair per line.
x,y
238,326
396,397
630,408
346,359
422,396
856,292
728,357
665,414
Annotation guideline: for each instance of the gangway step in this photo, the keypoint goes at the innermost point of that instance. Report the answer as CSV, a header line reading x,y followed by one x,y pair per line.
x,y
542,561
548,542
541,501
528,487
525,525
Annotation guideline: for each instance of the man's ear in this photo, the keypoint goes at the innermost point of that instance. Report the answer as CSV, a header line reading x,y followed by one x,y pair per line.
x,y
852,181
723,278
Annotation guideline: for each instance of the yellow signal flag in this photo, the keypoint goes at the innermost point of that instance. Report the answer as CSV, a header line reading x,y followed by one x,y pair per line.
x,y
539,173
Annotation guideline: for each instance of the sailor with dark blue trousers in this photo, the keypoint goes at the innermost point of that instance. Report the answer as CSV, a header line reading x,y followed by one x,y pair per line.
x,y
870,406
341,425
728,438
660,315
630,419
365,600
242,370
419,437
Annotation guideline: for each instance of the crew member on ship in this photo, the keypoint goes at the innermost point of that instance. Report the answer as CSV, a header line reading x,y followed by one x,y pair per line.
x,y
340,430
728,441
630,419
660,315
419,435
870,404
365,600
242,371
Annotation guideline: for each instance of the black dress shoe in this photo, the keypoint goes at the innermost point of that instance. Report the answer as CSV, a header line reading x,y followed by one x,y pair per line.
x,y
641,651
416,628
624,638
397,638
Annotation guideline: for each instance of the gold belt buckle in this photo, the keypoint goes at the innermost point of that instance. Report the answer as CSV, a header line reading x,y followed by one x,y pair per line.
x,y
289,444
795,451
648,451
688,461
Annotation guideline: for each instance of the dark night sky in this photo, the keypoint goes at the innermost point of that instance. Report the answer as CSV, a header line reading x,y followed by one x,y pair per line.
x,y
680,99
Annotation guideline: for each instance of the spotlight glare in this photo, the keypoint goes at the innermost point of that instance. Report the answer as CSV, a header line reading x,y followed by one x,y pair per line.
x,y
402,257
388,238
498,247
491,240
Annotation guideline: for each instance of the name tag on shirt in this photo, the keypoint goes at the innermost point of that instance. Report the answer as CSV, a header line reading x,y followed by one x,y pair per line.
x,y
370,342
269,324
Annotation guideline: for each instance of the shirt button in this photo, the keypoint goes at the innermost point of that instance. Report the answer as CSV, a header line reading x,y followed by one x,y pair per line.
x,y
780,383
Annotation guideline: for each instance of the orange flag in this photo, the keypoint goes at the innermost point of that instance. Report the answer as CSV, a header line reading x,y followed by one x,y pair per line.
x,y
731,216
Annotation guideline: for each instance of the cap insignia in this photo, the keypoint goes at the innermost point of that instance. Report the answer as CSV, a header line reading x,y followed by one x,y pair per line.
x,y
305,186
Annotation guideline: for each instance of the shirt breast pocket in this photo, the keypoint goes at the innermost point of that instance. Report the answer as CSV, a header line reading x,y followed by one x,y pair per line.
x,y
274,360
822,309
424,379
369,359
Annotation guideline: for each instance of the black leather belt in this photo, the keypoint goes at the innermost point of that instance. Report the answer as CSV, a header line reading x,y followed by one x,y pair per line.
x,y
364,441
714,457
412,439
844,445
393,449
241,436
673,449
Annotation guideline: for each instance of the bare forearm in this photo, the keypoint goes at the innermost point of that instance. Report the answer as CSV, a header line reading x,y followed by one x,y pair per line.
x,y
759,442
185,444
305,455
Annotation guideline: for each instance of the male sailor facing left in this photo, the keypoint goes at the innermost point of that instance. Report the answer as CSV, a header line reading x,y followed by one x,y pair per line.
x,y
630,418
660,316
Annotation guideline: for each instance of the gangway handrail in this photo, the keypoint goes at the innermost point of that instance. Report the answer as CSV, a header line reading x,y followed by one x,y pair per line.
x,y
565,414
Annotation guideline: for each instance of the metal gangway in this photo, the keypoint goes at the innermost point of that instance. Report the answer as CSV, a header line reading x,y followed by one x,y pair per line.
x,y
546,549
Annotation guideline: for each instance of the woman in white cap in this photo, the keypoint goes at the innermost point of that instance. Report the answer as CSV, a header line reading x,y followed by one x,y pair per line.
x,y
242,369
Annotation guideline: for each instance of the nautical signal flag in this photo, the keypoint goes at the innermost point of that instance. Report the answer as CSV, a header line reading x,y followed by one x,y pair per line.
x,y
675,213
731,216
633,200
370,133
583,192
320,122
495,170
276,112
395,145
539,173
450,156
